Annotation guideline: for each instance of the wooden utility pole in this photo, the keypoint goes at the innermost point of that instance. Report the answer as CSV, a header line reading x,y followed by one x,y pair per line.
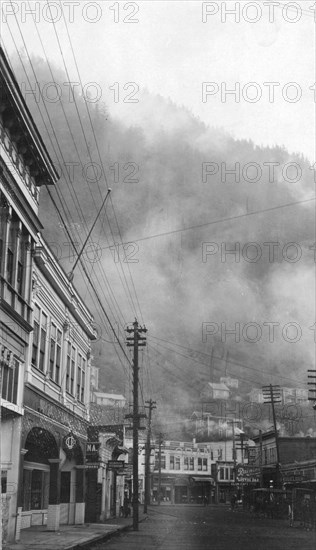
x,y
151,406
272,395
159,466
313,390
260,458
135,341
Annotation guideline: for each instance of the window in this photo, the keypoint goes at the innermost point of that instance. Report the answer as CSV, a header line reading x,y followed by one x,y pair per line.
x,y
39,339
171,462
4,477
212,455
81,375
191,463
178,461
10,378
186,463
199,464
70,373
21,270
163,462
35,489
55,354
9,273
42,351
68,367
204,464
221,473
232,474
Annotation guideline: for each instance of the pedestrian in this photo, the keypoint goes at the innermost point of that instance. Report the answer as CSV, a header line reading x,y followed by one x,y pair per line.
x,y
291,515
233,501
126,508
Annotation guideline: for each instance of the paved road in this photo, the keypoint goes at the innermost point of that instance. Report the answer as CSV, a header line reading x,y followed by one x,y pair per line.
x,y
210,528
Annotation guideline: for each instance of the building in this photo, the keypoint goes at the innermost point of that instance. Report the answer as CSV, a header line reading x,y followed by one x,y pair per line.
x,y
186,473
229,382
294,453
287,395
227,454
24,166
56,399
105,486
109,399
215,390
46,332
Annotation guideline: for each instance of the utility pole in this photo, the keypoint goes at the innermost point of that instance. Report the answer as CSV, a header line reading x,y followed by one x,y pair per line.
x,y
151,406
313,396
159,466
272,395
260,458
135,341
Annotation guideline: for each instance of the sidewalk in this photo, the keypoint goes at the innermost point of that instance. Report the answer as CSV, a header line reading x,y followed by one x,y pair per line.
x,y
71,536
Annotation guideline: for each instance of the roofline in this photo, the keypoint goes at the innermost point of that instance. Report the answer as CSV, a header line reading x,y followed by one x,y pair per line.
x,y
26,120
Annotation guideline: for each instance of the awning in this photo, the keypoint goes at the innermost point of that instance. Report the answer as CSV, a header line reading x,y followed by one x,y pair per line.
x,y
203,480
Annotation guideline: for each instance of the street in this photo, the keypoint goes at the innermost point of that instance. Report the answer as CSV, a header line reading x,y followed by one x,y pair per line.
x,y
212,527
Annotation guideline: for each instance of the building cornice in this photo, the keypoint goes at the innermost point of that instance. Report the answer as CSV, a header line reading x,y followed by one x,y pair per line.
x,y
23,131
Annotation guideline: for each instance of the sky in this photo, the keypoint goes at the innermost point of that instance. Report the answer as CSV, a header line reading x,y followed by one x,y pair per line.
x,y
166,48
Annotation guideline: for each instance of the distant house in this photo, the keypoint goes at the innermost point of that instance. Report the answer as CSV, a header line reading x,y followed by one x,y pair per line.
x,y
215,390
109,399
256,395
229,382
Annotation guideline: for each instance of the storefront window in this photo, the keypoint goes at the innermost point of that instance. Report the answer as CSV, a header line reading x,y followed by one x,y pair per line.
x,y
35,489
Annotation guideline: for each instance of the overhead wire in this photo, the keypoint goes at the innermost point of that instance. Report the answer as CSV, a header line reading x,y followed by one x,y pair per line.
x,y
63,224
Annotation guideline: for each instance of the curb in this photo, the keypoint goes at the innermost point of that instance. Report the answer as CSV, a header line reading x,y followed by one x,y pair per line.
x,y
104,537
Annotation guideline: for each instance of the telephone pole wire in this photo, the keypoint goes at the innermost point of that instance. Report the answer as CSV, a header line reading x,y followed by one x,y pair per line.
x,y
136,340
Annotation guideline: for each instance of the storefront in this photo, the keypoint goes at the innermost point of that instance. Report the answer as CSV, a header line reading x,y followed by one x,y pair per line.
x,y
51,468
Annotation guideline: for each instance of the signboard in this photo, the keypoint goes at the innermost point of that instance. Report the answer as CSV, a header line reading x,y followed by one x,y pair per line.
x,y
115,464
247,474
89,466
92,447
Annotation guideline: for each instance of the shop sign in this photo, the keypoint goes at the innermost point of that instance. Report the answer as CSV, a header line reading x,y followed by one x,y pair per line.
x,y
70,445
247,474
115,464
92,451
89,466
